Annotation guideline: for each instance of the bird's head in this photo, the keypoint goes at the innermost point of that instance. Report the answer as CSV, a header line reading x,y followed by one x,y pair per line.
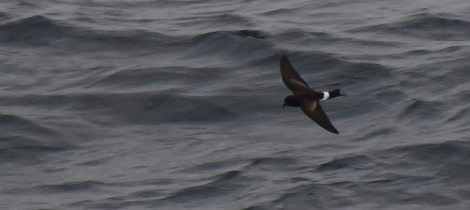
x,y
290,100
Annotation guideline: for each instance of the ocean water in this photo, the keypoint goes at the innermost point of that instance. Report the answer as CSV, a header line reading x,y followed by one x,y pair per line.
x,y
155,104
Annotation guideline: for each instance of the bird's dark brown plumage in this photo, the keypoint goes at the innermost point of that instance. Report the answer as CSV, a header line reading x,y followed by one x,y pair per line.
x,y
303,96
291,78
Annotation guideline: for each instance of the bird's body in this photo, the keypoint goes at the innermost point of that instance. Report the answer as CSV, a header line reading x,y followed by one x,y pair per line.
x,y
304,97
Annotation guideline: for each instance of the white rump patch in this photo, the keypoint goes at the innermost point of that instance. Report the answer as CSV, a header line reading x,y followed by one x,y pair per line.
x,y
326,96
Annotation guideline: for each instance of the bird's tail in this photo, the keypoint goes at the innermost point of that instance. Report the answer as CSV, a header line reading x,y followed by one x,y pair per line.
x,y
335,93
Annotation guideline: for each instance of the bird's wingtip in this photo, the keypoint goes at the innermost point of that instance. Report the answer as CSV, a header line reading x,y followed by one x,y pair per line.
x,y
333,130
283,56
284,60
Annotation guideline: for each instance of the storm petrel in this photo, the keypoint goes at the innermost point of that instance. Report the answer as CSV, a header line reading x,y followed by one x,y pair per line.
x,y
304,97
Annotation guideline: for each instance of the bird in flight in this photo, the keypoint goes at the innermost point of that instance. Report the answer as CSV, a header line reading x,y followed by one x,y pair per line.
x,y
304,97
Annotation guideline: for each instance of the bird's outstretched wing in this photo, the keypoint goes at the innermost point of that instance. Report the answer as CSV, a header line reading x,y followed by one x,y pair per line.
x,y
313,110
291,78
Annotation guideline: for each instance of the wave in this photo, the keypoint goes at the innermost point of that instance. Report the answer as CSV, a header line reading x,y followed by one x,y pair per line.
x,y
227,181
11,122
395,174
229,44
425,26
141,107
4,17
362,73
218,20
428,156
419,110
42,31
69,186
461,115
21,136
225,177
25,148
215,36
35,30
171,77
433,152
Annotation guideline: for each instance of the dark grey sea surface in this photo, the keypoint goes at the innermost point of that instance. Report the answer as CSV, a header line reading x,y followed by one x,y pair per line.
x,y
155,104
